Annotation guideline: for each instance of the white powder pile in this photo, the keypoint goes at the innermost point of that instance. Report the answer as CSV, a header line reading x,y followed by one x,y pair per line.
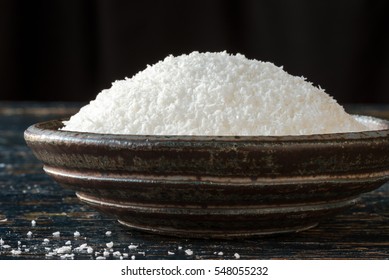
x,y
213,94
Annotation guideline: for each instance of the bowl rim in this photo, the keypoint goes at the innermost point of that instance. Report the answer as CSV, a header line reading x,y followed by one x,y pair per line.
x,y
51,129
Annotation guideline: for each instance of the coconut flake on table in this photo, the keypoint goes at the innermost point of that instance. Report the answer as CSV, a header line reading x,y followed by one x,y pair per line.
x,y
189,252
213,94
132,246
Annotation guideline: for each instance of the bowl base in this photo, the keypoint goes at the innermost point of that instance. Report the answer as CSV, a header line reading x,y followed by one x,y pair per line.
x,y
206,234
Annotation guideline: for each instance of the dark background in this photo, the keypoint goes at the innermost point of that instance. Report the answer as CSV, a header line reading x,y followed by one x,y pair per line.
x,y
71,50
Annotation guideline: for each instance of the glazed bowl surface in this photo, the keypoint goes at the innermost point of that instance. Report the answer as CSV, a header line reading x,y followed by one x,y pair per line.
x,y
216,187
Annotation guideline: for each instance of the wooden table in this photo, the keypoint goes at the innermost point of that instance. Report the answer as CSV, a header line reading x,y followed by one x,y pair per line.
x,y
27,193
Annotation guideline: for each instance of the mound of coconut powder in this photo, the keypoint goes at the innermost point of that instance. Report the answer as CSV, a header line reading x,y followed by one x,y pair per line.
x,y
213,94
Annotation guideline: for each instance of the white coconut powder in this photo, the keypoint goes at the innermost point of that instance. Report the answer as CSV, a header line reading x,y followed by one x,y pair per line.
x,y
213,94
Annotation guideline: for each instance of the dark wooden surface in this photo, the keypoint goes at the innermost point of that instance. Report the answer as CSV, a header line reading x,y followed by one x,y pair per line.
x,y
27,194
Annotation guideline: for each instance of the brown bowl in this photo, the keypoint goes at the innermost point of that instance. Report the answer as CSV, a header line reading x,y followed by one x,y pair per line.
x,y
205,186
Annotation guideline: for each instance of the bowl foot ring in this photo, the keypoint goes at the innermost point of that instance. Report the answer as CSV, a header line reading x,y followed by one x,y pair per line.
x,y
191,233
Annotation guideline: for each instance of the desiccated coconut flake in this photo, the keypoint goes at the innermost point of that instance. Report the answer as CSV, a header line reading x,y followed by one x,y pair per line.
x,y
213,94
68,242
56,234
108,233
16,252
67,256
189,252
132,246
33,223
237,256
100,258
109,244
1,242
64,250
29,234
116,254
170,253
76,234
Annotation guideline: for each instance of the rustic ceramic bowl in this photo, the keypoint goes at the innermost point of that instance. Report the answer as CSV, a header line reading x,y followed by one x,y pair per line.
x,y
202,186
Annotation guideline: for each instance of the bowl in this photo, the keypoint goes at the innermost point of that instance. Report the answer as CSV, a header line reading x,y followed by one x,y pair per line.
x,y
216,187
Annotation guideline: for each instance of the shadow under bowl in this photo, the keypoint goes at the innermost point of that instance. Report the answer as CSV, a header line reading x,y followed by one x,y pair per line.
x,y
216,186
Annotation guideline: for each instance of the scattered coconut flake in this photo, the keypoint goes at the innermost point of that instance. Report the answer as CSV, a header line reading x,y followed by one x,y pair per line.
x,y
56,234
170,253
19,243
142,253
76,234
132,246
45,241
26,250
220,253
1,242
100,258
29,234
109,245
237,256
64,250
132,257
108,233
116,254
68,242
83,246
6,246
67,256
189,252
125,255
106,254
33,223
89,250
16,252
179,247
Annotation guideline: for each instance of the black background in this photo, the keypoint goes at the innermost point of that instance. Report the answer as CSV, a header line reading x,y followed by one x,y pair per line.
x,y
71,50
